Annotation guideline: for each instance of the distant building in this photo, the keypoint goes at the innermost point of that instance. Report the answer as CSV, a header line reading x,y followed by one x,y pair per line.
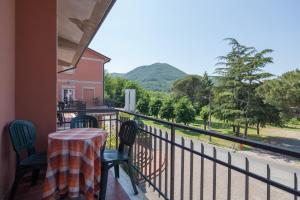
x,y
85,82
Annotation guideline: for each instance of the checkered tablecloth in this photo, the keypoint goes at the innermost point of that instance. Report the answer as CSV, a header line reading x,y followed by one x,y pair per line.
x,y
74,164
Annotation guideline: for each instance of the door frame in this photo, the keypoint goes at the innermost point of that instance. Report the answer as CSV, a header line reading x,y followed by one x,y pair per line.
x,y
71,87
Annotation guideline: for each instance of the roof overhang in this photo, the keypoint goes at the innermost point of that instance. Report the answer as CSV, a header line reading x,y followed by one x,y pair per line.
x,y
78,22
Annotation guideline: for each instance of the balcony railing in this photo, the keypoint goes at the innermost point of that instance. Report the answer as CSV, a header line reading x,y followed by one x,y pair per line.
x,y
178,167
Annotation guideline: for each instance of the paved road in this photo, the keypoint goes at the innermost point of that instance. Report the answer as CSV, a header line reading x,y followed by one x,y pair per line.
x,y
282,171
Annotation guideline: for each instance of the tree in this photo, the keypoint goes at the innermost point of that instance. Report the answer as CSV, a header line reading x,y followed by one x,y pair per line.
x,y
114,89
167,110
204,114
184,111
283,93
241,74
263,113
196,88
155,105
187,86
143,105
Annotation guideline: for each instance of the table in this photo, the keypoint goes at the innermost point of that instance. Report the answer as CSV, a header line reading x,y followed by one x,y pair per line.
x,y
74,163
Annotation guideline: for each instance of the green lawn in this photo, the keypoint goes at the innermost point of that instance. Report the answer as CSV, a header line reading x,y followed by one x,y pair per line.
x,y
224,128
221,127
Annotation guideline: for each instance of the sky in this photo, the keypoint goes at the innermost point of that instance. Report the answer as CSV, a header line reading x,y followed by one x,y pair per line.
x,y
189,34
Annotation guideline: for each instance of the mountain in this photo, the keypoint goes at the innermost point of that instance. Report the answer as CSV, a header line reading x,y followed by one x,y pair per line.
x,y
114,74
158,76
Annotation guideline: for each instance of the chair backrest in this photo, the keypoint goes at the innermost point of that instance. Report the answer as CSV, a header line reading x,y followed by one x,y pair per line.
x,y
61,106
84,121
128,132
81,106
22,134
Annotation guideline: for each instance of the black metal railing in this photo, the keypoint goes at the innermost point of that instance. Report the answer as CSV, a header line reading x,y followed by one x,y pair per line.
x,y
178,167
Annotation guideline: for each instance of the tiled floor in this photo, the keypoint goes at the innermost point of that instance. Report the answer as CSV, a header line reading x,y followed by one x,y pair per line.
x,y
25,192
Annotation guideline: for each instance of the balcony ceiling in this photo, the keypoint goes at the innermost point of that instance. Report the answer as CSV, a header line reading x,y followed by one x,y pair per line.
x,y
78,22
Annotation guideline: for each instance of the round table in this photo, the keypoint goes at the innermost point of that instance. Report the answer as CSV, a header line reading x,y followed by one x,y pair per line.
x,y
74,162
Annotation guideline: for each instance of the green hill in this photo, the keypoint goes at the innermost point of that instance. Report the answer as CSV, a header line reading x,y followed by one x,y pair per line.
x,y
158,76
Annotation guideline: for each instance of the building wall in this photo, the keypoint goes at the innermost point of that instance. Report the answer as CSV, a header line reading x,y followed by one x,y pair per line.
x,y
7,88
36,61
88,74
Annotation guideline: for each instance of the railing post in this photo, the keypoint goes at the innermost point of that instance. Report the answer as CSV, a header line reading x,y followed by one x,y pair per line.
x,y
117,128
172,183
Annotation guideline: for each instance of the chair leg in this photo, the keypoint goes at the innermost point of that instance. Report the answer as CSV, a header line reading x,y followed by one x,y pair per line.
x,y
131,179
34,176
103,183
14,187
117,170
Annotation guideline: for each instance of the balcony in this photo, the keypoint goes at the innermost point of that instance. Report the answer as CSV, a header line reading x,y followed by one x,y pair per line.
x,y
171,166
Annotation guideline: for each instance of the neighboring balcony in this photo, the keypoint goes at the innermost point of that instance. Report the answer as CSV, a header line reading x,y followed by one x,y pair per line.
x,y
171,166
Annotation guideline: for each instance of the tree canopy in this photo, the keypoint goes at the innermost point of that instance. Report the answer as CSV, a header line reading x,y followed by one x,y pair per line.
x,y
283,93
155,105
196,88
241,73
167,110
184,111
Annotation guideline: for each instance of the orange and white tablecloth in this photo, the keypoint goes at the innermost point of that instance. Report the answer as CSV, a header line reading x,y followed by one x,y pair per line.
x,y
74,163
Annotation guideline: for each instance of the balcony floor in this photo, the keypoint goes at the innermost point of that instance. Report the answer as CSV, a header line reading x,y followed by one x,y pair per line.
x,y
25,192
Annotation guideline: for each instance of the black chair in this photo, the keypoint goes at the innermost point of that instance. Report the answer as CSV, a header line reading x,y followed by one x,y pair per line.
x,y
84,121
23,135
60,114
81,107
112,158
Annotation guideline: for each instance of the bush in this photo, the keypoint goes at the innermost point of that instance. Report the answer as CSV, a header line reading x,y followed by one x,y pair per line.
x,y
184,111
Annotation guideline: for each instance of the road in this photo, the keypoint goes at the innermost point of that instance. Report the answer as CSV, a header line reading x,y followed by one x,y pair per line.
x,y
282,171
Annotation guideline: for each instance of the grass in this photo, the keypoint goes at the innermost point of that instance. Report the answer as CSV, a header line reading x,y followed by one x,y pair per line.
x,y
221,127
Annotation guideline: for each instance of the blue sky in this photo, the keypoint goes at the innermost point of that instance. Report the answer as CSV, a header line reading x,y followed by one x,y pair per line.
x,y
189,34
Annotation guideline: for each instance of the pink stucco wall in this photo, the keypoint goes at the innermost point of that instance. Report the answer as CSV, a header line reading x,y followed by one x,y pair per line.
x,y
7,88
87,75
36,61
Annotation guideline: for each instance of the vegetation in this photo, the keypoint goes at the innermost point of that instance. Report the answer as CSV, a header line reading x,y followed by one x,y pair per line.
x,y
114,89
167,110
143,105
240,99
184,111
157,77
204,114
236,100
155,105
283,93
196,88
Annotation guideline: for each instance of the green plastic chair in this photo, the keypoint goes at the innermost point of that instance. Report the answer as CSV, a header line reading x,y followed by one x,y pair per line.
x,y
23,135
84,121
112,158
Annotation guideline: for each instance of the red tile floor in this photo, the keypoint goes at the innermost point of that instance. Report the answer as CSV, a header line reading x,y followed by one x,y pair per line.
x,y
25,192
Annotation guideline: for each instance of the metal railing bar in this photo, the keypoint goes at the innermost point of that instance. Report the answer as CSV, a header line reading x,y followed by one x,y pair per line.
x,y
263,179
247,179
245,141
182,171
155,157
202,173
214,174
166,163
160,160
268,185
191,170
295,185
149,181
229,178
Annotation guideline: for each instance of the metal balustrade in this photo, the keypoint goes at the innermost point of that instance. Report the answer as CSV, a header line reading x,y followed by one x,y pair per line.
x,y
182,168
